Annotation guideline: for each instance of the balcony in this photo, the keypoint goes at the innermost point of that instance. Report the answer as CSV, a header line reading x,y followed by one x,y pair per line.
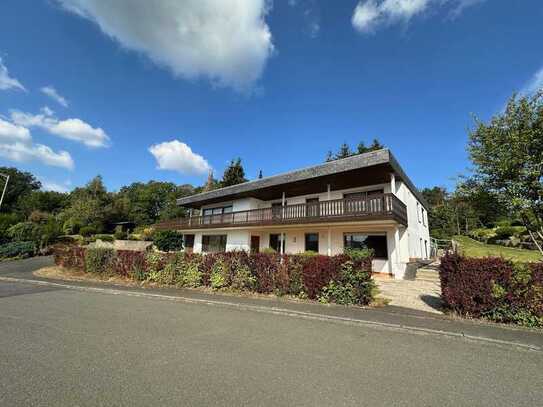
x,y
374,207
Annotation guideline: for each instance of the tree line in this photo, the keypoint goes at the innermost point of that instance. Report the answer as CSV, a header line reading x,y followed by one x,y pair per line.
x,y
505,187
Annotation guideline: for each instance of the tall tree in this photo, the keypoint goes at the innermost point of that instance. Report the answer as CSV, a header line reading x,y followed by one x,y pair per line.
x,y
508,157
344,152
44,201
211,182
233,174
20,185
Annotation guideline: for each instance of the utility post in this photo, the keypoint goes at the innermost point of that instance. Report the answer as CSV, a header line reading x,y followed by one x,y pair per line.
x,y
5,188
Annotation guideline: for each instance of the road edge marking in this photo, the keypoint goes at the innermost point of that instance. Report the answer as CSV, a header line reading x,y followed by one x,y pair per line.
x,y
276,311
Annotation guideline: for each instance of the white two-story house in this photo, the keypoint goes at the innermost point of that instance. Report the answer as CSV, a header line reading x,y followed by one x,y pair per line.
x,y
362,201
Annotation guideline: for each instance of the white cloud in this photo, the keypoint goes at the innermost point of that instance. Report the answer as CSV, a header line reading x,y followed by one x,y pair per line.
x,y
53,94
371,14
177,156
7,82
71,129
534,84
16,144
227,41
10,132
48,185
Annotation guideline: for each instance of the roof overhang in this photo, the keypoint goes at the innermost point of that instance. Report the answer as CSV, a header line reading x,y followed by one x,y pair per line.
x,y
360,170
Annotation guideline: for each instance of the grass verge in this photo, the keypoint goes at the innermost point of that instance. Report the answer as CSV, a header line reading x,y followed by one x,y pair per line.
x,y
473,248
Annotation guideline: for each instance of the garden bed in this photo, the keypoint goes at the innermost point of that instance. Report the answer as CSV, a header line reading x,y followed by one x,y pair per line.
x,y
343,279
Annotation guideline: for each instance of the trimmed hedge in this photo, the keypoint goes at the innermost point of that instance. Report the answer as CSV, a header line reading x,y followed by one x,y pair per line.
x,y
341,279
17,249
493,288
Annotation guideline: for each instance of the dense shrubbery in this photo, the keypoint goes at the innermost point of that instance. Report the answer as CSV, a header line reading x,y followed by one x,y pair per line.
x,y
493,288
168,240
24,232
17,250
100,260
503,234
343,279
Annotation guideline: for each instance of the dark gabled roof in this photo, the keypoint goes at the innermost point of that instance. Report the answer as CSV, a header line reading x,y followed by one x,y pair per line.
x,y
363,169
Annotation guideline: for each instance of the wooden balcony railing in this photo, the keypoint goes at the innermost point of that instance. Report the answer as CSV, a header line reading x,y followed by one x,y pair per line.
x,y
373,207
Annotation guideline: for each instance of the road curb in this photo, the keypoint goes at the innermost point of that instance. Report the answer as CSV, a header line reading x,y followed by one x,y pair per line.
x,y
280,311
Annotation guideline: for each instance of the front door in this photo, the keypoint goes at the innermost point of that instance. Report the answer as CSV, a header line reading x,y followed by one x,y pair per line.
x,y
255,244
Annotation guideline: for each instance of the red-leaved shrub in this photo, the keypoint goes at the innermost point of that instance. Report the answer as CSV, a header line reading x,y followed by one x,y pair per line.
x,y
494,288
302,274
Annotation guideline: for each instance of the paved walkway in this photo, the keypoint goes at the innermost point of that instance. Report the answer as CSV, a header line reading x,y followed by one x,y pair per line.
x,y
422,294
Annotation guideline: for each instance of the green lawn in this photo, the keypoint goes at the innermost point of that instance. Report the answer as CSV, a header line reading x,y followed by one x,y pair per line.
x,y
473,248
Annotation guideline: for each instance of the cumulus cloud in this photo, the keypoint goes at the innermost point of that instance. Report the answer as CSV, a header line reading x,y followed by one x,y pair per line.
x,y
70,129
16,145
6,81
371,14
177,156
534,84
10,132
53,94
226,41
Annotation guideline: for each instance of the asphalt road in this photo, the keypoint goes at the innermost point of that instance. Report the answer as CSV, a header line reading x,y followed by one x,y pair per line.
x,y
62,347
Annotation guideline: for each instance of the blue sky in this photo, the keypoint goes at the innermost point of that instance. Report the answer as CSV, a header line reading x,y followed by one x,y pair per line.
x,y
136,92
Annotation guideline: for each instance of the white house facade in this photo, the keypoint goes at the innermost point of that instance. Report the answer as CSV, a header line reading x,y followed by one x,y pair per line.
x,y
361,201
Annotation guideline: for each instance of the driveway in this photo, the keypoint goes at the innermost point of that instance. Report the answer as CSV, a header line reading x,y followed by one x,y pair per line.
x,y
66,347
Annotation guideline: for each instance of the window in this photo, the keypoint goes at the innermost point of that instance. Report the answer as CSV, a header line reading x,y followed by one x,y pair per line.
x,y
275,242
312,242
213,243
418,211
212,215
378,243
423,216
217,211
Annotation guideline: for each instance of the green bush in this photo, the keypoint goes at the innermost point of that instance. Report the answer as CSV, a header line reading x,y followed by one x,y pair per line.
x,y
219,275
483,234
71,227
119,233
168,240
353,285
99,260
189,271
242,278
145,233
104,238
17,249
50,232
6,221
505,232
168,274
87,231
25,232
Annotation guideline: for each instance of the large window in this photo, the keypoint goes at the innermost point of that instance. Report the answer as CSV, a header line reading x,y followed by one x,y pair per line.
x,y
378,243
213,243
312,242
217,211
